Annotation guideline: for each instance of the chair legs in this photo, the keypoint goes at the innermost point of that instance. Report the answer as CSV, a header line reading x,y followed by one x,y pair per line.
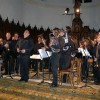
x,y
68,78
74,74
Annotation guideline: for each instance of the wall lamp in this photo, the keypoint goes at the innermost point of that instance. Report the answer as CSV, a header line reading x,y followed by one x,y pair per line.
x,y
66,12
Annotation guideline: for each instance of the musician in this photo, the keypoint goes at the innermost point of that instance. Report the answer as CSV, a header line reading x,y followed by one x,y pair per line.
x,y
37,46
96,54
1,46
14,53
68,48
24,48
54,46
7,53
94,42
86,54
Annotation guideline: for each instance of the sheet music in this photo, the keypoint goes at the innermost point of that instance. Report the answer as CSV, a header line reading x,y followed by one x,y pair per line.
x,y
35,56
43,53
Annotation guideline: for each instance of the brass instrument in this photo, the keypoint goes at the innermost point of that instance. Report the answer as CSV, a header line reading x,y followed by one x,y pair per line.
x,y
53,41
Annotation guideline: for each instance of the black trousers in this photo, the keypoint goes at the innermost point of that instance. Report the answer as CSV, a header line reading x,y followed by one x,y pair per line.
x,y
24,66
96,71
54,59
85,69
7,63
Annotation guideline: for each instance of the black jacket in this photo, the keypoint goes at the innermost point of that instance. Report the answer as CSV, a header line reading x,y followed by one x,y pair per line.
x,y
27,44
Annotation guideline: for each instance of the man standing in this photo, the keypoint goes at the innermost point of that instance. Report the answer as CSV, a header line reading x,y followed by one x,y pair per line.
x,y
14,53
96,55
7,53
24,48
55,46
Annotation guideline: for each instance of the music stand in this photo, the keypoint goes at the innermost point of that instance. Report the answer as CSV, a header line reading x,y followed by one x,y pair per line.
x,y
44,55
37,57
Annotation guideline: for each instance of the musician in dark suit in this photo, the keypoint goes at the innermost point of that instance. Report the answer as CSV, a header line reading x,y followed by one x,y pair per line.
x,y
1,46
14,53
7,53
96,54
54,47
68,48
24,49
86,54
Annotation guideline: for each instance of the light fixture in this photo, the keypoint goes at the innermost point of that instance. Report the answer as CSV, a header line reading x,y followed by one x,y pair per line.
x,y
77,10
66,10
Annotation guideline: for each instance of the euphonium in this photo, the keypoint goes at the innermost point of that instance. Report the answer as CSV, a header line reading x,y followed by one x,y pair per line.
x,y
54,41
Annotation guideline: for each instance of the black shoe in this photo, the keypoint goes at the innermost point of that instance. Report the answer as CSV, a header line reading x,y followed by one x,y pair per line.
x,y
97,83
21,80
53,85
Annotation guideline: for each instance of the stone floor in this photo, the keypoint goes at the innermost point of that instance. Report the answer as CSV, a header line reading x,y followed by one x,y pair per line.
x,y
39,79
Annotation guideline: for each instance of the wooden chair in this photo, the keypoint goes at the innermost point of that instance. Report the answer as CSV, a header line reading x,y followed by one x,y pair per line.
x,y
68,72
73,73
77,71
90,68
